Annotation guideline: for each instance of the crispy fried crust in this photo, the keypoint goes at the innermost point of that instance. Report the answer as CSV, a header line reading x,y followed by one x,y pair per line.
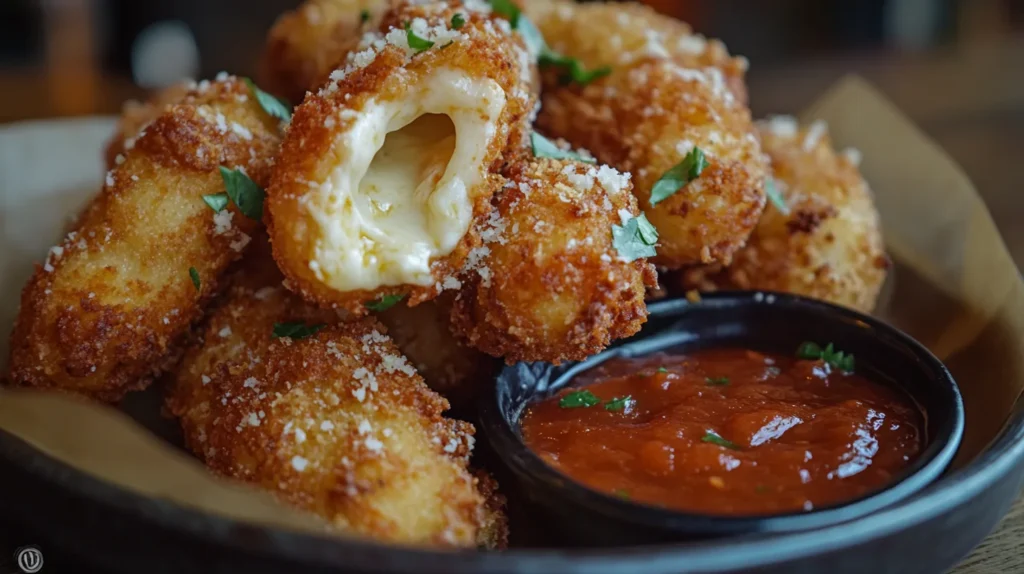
x,y
829,244
423,333
549,285
381,71
106,310
622,34
338,423
493,534
135,116
645,119
306,43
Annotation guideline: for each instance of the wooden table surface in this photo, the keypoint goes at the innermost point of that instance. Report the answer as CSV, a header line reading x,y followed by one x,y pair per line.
x,y
971,102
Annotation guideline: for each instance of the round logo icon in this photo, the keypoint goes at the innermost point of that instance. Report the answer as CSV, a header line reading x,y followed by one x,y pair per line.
x,y
29,559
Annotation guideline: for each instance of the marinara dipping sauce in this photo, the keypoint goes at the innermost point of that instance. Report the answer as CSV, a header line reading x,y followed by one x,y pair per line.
x,y
726,432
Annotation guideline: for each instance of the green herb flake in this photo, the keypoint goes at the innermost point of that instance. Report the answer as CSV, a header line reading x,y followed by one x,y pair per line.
x,y
508,10
618,404
575,71
713,438
195,278
364,16
415,42
458,21
577,399
775,196
244,192
216,201
761,489
543,147
622,493
531,36
274,106
296,330
662,370
384,303
635,238
681,174
836,359
716,381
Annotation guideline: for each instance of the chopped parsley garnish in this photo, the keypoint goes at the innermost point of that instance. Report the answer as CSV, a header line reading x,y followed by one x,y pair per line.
x,y
713,438
662,370
508,10
621,493
543,147
681,174
576,71
415,42
195,278
775,196
531,35
458,21
384,303
216,201
364,16
635,239
837,359
274,106
577,399
760,489
244,192
717,381
618,403
296,330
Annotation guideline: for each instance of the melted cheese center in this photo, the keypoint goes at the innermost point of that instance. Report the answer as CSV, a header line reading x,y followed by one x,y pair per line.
x,y
405,196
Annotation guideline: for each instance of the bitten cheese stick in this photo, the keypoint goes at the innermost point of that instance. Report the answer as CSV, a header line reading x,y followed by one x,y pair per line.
x,y
387,167
114,299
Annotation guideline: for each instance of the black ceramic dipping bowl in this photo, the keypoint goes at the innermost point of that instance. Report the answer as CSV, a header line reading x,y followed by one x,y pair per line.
x,y
769,322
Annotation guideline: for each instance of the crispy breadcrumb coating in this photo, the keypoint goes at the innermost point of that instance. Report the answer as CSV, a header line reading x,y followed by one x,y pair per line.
x,y
112,301
306,43
135,116
337,423
549,285
622,34
455,370
646,119
493,533
386,167
827,244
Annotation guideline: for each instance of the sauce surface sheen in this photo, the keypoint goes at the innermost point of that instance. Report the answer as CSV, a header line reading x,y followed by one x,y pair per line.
x,y
726,432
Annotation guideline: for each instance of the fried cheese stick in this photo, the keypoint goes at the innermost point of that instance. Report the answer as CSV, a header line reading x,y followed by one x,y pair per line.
x,y
113,300
550,284
821,237
386,168
306,43
333,419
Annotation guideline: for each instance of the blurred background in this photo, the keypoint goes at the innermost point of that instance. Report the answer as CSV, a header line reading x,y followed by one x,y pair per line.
x,y
956,67
72,57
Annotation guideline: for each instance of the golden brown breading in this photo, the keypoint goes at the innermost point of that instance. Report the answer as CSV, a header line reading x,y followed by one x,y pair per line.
x,y
384,170
493,534
549,285
306,43
104,312
621,34
423,334
135,116
828,243
646,119
337,423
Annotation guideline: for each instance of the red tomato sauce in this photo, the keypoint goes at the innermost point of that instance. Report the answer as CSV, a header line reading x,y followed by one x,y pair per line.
x,y
726,432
